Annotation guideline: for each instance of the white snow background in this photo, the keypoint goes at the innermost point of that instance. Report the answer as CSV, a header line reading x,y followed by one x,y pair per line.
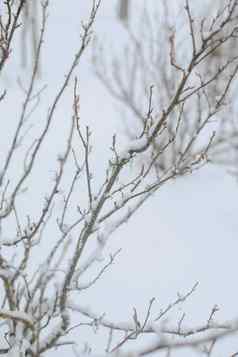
x,y
186,233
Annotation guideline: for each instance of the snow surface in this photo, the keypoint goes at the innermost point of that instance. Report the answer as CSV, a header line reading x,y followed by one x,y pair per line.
x,y
17,315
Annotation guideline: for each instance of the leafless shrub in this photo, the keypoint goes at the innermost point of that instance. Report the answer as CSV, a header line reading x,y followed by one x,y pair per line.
x,y
38,302
158,54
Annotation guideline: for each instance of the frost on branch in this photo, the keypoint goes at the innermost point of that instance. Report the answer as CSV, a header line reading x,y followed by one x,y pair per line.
x,y
132,147
175,101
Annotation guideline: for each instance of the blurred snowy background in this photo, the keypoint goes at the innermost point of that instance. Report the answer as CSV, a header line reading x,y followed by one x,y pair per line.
x,y
186,233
